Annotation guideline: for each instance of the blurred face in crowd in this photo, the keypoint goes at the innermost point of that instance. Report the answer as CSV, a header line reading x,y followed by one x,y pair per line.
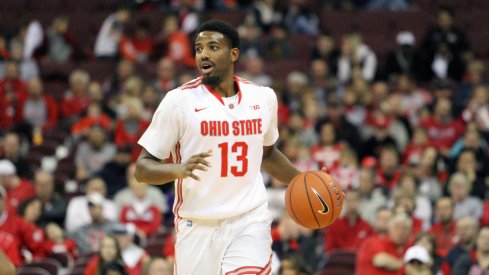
x,y
319,69
382,220
108,249
388,160
96,212
160,266
166,69
399,231
459,189
35,88
11,146
97,137
472,139
124,240
254,65
445,20
79,81
44,185
96,185
125,69
444,210
328,134
352,202
32,211
408,183
366,180
325,44
483,240
12,71
426,242
443,109
481,95
466,229
466,161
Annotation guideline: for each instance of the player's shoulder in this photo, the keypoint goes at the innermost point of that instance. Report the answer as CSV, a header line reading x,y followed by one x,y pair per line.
x,y
184,90
247,85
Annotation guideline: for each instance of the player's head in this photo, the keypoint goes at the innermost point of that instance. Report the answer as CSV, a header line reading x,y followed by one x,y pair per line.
x,y
216,50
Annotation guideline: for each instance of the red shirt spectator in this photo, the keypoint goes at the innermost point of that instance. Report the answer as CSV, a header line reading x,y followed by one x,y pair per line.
x,y
8,244
124,137
18,189
76,100
347,234
444,229
94,117
140,47
384,255
146,219
484,221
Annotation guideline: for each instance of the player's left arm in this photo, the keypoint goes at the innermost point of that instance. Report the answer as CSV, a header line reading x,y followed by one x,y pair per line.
x,y
277,165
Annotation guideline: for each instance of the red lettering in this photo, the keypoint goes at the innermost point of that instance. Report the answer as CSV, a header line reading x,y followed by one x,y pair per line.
x,y
259,126
249,128
242,125
212,128
204,128
236,128
225,128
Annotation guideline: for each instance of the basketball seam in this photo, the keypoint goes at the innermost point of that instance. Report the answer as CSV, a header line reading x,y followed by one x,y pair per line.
x,y
309,199
291,206
331,197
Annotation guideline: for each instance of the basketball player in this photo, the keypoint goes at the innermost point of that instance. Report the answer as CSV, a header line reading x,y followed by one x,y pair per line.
x,y
219,130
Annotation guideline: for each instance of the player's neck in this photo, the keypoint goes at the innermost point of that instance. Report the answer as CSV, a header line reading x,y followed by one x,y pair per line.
x,y
226,88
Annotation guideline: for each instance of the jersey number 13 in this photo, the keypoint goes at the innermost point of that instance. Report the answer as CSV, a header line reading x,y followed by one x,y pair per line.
x,y
241,149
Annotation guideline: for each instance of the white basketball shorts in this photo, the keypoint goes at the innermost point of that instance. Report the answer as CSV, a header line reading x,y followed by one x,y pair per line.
x,y
233,246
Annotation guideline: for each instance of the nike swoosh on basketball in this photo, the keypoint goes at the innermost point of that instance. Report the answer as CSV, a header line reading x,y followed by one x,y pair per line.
x,y
325,206
200,109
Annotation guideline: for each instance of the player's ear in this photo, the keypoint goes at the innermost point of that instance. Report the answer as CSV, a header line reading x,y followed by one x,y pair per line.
x,y
234,54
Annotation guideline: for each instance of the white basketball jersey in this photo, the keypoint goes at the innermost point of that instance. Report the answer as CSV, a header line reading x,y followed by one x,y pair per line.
x,y
193,119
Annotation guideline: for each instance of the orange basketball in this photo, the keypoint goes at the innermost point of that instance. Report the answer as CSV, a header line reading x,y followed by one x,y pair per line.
x,y
314,199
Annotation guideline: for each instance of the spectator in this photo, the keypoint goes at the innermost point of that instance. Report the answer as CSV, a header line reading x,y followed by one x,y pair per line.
x,y
296,86
474,78
356,56
30,210
277,44
405,203
107,42
114,268
413,98
166,77
12,86
94,116
445,33
130,125
56,242
372,196
466,234
346,171
417,261
109,252
75,100
325,48
113,86
444,226
62,45
444,65
114,172
443,130
478,109
126,196
405,58
383,255
250,44
151,101
142,214
89,236
138,48
427,241
327,152
477,261
322,81
4,52
465,205
92,154
413,151
78,213
27,68
350,231
467,164
429,174
12,149
264,14
380,137
23,233
38,109
388,171
134,256
382,218
176,42
299,18
53,205
18,189
158,266
254,72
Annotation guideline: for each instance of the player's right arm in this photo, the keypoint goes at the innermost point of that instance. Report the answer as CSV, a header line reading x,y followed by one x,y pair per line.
x,y
152,170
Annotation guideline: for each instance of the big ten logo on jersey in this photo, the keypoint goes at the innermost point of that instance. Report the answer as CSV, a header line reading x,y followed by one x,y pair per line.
x,y
245,127
254,107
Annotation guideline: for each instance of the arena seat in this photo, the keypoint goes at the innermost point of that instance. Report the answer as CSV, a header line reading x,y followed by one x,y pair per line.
x,y
49,265
32,271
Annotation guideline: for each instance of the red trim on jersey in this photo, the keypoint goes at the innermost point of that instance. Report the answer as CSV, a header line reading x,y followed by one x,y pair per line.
x,y
192,83
219,97
178,188
253,269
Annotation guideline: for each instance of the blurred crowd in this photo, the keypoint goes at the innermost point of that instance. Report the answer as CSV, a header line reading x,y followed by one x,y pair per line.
x,y
405,132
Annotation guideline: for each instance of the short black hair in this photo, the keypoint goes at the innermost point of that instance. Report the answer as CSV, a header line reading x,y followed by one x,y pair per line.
x,y
221,27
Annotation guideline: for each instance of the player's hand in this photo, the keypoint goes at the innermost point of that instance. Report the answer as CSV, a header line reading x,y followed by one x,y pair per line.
x,y
198,162
324,170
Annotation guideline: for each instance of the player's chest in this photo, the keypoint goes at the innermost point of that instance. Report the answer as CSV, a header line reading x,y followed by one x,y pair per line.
x,y
230,118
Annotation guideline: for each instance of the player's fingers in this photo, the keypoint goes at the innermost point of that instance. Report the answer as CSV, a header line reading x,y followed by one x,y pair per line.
x,y
192,175
197,166
204,154
202,161
324,170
